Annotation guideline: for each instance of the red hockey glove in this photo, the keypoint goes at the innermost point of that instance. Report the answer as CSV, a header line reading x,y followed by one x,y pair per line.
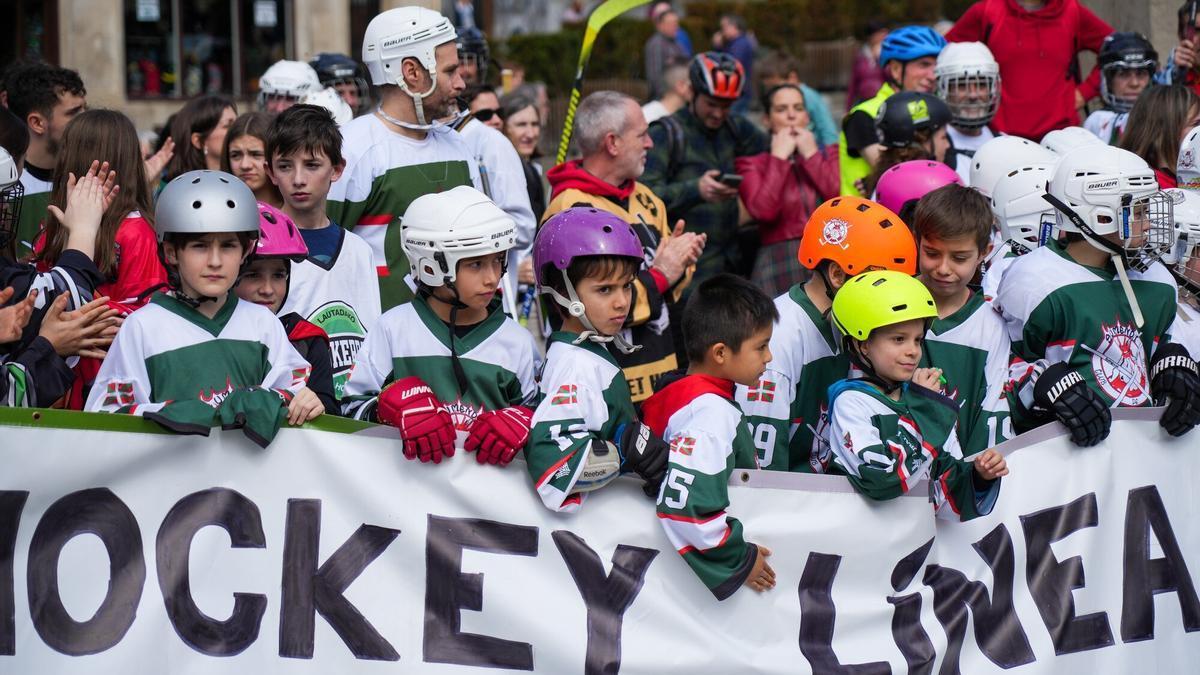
x,y
497,435
425,425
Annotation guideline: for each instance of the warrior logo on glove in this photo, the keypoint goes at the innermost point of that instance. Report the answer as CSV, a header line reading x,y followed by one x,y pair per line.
x,y
1119,364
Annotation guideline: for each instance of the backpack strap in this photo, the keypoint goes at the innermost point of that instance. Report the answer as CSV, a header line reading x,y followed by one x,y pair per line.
x,y
676,145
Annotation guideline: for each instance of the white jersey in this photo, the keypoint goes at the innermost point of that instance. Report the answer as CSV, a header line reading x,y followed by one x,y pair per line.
x,y
997,264
340,297
1107,125
166,351
964,148
1186,330
385,171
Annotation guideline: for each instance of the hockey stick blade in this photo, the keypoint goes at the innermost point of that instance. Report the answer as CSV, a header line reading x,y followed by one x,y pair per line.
x,y
599,17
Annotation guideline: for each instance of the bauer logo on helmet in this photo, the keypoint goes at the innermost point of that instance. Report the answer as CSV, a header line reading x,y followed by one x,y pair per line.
x,y
1102,185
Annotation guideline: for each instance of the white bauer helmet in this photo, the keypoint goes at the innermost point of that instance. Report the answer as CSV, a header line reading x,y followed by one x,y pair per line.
x,y
1187,168
405,33
292,80
440,229
1062,141
1027,221
11,192
1186,214
329,99
964,68
1001,155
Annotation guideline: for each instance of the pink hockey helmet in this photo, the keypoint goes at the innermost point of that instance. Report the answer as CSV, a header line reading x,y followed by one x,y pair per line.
x,y
909,181
278,236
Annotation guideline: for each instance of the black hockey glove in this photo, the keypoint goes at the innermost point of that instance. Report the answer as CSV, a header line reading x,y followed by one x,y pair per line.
x,y
643,453
1175,383
1063,392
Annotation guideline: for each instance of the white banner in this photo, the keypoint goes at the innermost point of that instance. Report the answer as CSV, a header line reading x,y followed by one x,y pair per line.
x,y
124,551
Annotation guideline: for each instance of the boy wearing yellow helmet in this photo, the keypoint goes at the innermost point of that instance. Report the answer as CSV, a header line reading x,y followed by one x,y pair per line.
x,y
891,428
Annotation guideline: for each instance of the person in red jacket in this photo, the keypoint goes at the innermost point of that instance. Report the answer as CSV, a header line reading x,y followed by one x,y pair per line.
x,y
1036,43
781,187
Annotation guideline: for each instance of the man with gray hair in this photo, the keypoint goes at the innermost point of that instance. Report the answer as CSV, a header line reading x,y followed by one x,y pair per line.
x,y
612,136
676,92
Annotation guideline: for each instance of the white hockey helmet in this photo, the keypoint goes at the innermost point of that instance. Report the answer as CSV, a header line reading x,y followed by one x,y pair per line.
x,y
405,33
329,99
442,228
1186,214
1062,141
1105,190
1187,168
11,192
1001,155
287,79
1026,219
968,80
204,202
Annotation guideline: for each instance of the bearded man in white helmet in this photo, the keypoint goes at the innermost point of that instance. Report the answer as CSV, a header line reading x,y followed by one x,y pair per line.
x,y
968,80
404,148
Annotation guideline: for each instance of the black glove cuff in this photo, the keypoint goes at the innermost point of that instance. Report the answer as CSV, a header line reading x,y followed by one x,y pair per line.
x,y
1172,358
1053,382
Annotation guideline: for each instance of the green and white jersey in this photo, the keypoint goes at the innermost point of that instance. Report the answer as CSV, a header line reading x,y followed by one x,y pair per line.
x,y
971,347
167,351
1058,311
340,297
1186,330
887,447
997,264
584,397
385,171
497,355
33,209
709,438
787,409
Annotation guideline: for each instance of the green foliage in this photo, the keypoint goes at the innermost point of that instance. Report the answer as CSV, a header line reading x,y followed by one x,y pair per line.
x,y
551,58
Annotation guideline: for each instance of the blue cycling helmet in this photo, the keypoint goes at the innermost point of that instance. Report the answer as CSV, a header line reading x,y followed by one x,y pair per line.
x,y
911,43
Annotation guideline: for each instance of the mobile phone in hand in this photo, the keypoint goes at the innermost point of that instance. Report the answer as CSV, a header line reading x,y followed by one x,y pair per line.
x,y
730,179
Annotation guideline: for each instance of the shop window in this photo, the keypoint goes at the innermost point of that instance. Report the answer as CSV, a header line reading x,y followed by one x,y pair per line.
x,y
183,48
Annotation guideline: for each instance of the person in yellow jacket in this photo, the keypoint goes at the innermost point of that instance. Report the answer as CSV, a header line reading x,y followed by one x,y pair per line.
x,y
909,57
612,135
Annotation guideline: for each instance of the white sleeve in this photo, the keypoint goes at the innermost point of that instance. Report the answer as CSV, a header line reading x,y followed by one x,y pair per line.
x,y
289,371
123,383
372,367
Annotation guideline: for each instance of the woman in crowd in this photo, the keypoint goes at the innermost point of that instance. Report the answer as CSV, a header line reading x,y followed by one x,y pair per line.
x,y
523,126
484,104
1157,125
781,187
244,155
199,134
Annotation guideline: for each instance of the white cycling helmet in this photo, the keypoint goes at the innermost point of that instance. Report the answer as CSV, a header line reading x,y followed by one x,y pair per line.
x,y
405,33
1001,155
329,99
442,228
1062,141
1026,219
968,80
290,80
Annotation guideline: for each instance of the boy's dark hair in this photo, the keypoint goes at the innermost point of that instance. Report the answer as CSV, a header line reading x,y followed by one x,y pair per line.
x,y
304,127
14,135
181,239
587,266
36,87
953,211
726,309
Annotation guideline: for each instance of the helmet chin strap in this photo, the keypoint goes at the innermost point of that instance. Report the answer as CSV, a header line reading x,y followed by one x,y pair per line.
x,y
1117,253
576,309
460,375
418,100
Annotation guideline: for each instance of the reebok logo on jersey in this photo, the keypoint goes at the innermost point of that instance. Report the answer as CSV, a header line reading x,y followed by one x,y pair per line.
x,y
834,232
567,394
684,445
763,391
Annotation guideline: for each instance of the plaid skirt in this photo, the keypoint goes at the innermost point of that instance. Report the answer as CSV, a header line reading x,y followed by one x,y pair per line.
x,y
777,267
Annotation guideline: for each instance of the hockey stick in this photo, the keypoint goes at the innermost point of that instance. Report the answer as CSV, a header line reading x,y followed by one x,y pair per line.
x,y
600,16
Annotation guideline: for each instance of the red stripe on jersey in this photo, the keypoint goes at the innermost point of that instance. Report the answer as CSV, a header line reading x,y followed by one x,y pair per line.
x,y
1066,344
381,219
692,519
692,549
550,472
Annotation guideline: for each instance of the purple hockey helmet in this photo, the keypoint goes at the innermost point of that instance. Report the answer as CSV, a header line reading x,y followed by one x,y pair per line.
x,y
908,181
581,231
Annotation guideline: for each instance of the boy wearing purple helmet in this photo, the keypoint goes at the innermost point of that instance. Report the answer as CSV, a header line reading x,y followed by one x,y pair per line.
x,y
585,430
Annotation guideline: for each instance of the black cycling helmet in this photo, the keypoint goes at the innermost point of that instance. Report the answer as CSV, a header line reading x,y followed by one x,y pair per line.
x,y
902,115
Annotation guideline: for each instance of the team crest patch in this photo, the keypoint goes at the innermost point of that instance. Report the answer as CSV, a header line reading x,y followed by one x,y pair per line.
x,y
1187,159
834,232
684,445
567,394
215,397
763,391
463,414
119,394
1119,364
346,333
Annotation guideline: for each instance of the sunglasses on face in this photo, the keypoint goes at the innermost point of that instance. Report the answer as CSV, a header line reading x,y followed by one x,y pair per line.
x,y
485,114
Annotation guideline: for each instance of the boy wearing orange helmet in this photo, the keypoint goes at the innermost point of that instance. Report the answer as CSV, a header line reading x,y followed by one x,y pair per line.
x,y
788,412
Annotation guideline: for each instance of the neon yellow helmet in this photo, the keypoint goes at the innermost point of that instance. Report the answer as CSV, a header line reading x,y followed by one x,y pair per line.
x,y
880,298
